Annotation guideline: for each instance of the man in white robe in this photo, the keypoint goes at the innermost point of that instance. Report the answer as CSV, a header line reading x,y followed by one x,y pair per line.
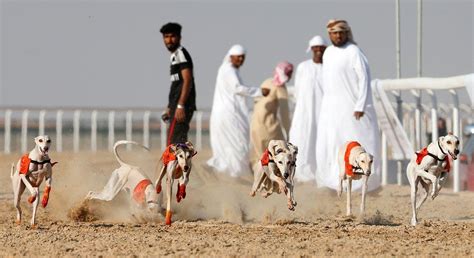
x,y
308,94
230,117
347,111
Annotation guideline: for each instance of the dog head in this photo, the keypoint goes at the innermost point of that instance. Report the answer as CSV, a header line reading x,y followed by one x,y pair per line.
x,y
184,153
364,162
282,156
294,152
449,144
43,143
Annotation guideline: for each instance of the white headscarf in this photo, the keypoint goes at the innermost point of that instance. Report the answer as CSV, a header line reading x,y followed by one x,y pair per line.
x,y
235,50
316,41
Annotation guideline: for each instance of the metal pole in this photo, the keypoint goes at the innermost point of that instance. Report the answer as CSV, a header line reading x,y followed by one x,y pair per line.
x,y
8,130
384,160
419,39
111,129
94,131
199,130
146,129
163,130
399,75
42,115
434,116
456,176
24,130
59,131
76,126
128,128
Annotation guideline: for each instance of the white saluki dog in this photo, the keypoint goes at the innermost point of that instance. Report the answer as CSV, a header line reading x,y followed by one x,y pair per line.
x,y
30,171
354,164
276,171
130,179
177,164
428,167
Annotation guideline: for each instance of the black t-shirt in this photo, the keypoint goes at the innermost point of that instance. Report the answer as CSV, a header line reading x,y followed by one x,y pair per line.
x,y
180,59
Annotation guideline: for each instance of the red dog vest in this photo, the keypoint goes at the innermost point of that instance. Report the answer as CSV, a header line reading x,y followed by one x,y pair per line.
x,y
424,152
265,158
139,191
349,167
168,156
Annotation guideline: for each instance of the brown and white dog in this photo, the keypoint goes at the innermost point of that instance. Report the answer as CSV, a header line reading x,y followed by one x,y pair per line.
x,y
354,164
276,171
30,171
177,164
143,198
430,167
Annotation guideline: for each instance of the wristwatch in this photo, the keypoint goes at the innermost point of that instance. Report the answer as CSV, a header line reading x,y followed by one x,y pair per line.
x,y
180,106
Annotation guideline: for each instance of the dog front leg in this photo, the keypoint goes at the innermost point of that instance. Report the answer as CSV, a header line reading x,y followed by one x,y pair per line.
x,y
430,177
160,177
18,189
349,189
259,176
46,192
35,207
169,192
289,196
364,191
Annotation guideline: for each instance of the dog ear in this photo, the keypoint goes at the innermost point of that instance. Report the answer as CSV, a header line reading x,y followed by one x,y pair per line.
x,y
450,133
173,148
190,147
271,147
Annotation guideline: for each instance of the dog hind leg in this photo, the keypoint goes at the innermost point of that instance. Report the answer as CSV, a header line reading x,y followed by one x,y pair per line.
x,y
413,191
424,196
35,208
364,191
20,188
349,189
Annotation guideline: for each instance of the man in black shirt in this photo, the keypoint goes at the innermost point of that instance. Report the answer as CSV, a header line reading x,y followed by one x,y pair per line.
x,y
182,96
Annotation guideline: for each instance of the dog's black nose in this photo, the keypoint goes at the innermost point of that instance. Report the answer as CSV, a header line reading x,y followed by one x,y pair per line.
x,y
286,175
46,148
456,152
186,168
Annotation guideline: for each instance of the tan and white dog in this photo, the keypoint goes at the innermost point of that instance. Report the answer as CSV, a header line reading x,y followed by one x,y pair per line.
x,y
276,171
430,167
131,179
30,171
354,164
177,164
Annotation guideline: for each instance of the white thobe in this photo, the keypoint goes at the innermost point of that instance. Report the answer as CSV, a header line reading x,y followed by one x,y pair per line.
x,y
308,94
229,122
346,86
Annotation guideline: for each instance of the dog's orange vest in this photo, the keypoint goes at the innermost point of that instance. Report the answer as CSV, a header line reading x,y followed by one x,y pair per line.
x,y
168,156
424,152
139,191
265,158
25,164
348,166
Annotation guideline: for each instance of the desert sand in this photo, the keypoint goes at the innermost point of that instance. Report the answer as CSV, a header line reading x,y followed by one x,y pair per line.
x,y
219,218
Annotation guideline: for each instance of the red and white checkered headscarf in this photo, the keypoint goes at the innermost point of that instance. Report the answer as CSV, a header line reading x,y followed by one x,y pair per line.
x,y
282,73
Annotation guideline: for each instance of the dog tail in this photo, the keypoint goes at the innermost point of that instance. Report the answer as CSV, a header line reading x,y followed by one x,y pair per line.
x,y
12,171
123,142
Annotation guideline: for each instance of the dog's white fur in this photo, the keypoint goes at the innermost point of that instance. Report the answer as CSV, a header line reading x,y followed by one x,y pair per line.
x,y
177,169
278,176
430,172
33,179
362,162
126,178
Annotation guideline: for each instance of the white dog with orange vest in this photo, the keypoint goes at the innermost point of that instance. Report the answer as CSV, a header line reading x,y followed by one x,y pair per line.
x,y
354,164
130,179
177,164
276,171
430,167
30,171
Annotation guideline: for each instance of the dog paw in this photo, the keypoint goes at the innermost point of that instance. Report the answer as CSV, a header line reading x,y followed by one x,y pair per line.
x,y
291,207
34,226
32,199
45,200
252,193
168,218
295,203
18,222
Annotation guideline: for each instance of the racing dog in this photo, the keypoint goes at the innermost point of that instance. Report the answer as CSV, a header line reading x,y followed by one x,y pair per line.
x,y
177,164
354,164
276,171
130,179
30,171
430,167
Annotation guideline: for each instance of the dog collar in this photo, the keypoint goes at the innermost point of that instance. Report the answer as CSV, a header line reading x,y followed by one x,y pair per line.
x,y
441,149
40,162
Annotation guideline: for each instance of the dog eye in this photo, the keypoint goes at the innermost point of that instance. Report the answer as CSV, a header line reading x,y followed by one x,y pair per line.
x,y
449,142
279,151
280,162
40,140
180,155
363,161
457,142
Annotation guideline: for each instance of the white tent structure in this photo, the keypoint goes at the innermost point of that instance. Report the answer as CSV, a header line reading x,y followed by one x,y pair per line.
x,y
393,133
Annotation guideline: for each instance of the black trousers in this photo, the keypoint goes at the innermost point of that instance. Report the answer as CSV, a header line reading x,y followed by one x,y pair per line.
x,y
178,131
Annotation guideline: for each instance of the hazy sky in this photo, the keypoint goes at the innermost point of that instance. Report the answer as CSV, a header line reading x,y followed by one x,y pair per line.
x,y
110,53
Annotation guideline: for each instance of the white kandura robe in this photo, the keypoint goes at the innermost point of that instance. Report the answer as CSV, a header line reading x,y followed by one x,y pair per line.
x,y
303,130
229,122
346,86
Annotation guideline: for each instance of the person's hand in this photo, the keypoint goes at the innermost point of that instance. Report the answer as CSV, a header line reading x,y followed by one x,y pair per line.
x,y
265,92
166,115
180,115
358,115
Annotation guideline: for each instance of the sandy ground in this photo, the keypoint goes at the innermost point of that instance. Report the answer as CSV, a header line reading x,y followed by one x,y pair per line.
x,y
219,218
